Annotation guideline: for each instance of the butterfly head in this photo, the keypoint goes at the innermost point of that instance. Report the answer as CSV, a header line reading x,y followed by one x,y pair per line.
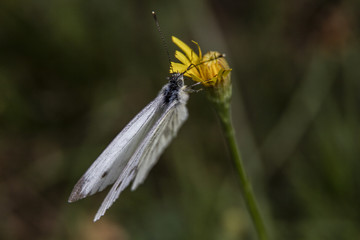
x,y
176,80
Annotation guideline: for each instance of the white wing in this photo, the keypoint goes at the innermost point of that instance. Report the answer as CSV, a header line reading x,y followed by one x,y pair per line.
x,y
159,137
109,165
155,148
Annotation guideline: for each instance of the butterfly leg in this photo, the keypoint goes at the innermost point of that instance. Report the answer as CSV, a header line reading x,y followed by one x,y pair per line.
x,y
190,89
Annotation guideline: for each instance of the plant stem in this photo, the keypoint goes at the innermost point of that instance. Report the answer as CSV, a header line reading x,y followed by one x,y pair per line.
x,y
223,111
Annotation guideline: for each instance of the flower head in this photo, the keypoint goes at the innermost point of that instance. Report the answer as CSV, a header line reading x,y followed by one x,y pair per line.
x,y
211,70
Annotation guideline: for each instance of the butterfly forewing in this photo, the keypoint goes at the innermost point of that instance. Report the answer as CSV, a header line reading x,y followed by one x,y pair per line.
x,y
109,165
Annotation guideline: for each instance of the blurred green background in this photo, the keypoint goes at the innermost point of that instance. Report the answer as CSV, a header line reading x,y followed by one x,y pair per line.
x,y
73,73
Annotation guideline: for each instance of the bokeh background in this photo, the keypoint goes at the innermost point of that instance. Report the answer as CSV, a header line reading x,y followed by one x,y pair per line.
x,y
73,73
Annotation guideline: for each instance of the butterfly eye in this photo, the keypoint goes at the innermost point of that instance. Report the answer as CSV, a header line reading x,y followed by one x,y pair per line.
x,y
180,81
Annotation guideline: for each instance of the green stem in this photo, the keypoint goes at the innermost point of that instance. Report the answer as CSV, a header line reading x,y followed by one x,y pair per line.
x,y
223,111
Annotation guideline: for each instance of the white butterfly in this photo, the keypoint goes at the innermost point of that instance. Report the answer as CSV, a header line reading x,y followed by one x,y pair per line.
x,y
136,149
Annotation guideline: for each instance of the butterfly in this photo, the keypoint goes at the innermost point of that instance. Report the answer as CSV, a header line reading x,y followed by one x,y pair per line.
x,y
136,149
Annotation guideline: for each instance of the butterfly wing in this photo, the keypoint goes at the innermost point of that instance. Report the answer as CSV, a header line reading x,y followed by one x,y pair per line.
x,y
109,165
144,158
151,154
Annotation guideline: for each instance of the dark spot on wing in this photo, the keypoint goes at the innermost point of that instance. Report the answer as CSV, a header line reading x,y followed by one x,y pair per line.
x,y
104,174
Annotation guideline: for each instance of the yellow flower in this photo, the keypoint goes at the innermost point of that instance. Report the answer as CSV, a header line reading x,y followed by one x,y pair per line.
x,y
211,70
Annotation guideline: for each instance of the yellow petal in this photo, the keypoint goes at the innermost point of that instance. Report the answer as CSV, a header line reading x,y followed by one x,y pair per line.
x,y
225,73
195,78
182,58
177,67
199,49
210,82
192,71
191,55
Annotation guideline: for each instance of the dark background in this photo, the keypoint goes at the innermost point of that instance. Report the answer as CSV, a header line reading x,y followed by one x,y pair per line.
x,y
73,73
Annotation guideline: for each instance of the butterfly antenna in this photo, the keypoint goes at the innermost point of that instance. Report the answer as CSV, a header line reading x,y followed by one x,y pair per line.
x,y
162,38
196,65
